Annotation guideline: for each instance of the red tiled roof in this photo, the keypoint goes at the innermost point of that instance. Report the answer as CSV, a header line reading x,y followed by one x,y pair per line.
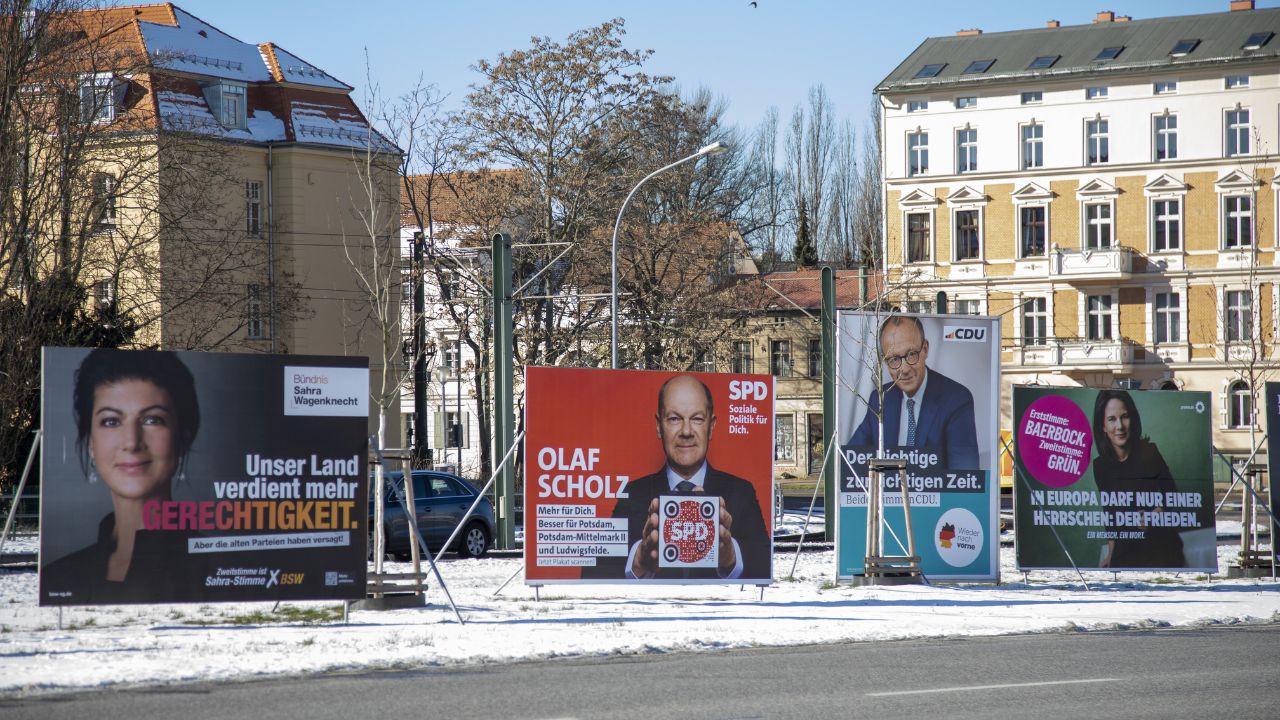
x,y
804,288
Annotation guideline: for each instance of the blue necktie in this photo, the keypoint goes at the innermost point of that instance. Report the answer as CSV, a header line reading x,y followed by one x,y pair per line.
x,y
685,486
911,421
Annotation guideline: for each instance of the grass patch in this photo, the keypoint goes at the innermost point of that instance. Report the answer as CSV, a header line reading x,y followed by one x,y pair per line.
x,y
285,614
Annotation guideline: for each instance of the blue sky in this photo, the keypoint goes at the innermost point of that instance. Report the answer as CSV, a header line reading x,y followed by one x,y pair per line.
x,y
752,57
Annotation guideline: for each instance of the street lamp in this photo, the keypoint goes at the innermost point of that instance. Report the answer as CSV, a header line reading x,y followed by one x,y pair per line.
x,y
714,148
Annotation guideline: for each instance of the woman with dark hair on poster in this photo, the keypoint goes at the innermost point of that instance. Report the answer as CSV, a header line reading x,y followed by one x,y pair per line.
x,y
1129,462
136,417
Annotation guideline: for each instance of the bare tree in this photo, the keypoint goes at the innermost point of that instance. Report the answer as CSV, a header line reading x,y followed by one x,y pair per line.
x,y
845,181
869,219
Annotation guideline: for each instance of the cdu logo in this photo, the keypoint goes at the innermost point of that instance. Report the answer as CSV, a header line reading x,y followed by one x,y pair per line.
x,y
959,333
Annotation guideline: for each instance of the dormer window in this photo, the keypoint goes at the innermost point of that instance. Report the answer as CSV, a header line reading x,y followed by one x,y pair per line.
x,y
98,98
227,103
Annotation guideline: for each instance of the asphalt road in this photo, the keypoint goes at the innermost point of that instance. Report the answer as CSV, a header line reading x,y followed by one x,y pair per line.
x,y
1222,672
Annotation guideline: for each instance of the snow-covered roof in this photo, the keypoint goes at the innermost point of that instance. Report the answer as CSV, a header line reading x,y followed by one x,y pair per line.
x,y
195,46
294,69
335,125
285,99
189,113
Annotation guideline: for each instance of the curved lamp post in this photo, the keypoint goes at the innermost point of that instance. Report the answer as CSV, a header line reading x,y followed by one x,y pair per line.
x,y
714,148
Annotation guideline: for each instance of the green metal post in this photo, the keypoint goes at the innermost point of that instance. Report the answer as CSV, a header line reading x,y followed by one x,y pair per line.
x,y
503,390
830,479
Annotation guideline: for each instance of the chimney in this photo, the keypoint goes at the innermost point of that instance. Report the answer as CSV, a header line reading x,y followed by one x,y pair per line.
x,y
1123,18
969,33
1105,16
1241,5
1053,24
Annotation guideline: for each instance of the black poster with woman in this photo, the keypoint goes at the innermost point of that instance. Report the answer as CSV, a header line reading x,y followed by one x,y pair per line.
x,y
1117,479
201,477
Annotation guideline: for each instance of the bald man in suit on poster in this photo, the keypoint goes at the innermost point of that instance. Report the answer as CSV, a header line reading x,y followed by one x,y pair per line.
x,y
922,407
685,423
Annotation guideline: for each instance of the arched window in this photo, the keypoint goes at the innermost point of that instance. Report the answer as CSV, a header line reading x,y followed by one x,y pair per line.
x,y
1167,385
1240,405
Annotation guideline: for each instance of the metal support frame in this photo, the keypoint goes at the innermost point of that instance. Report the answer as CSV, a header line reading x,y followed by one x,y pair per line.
x,y
1247,552
1022,476
22,485
826,459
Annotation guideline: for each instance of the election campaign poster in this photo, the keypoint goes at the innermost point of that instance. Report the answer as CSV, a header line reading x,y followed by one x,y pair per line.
x,y
171,477
1113,479
923,389
637,476
1272,392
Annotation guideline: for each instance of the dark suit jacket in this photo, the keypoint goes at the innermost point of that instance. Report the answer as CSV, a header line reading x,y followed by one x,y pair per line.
x,y
944,422
739,500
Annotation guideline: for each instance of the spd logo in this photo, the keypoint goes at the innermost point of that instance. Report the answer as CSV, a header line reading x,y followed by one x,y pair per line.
x,y
748,390
964,333
688,531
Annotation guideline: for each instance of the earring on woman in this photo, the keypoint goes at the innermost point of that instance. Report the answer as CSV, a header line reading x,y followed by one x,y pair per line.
x,y
93,473
181,476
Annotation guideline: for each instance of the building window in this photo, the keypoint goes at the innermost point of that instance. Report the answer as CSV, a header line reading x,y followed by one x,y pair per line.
x,y
1166,130
1097,228
1168,317
451,362
1032,97
917,153
253,208
104,201
967,150
918,237
704,361
780,358
1237,221
232,111
1035,322
967,241
1166,225
815,357
1240,401
1239,316
453,429
917,105
97,98
255,326
967,307
1095,93
1165,87
918,307
740,359
1097,142
966,102
1032,219
1032,146
1237,81
784,438
1238,131
104,296
1098,308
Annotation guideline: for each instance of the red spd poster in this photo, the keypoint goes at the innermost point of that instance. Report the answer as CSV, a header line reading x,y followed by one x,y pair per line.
x,y
637,476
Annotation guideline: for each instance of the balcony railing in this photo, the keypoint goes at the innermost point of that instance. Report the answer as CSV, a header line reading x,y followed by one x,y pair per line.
x,y
1078,352
1113,263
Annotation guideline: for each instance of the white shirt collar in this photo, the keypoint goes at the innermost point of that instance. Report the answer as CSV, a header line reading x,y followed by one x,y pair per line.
x,y
674,478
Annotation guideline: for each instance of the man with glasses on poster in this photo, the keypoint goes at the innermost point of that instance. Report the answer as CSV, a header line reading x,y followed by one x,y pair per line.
x,y
922,407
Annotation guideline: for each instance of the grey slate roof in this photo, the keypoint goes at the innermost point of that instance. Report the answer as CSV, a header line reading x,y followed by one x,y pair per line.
x,y
1147,44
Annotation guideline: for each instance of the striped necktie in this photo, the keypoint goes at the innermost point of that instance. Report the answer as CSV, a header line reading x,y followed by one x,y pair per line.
x,y
911,421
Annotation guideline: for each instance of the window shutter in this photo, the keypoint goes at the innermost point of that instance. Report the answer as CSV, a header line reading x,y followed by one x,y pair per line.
x,y
466,429
439,443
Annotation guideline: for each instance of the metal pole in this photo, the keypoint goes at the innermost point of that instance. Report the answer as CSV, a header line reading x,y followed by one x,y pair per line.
x,y
829,425
421,375
713,148
503,390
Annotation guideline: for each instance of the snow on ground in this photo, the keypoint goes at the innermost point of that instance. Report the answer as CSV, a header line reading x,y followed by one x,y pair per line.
x,y
107,647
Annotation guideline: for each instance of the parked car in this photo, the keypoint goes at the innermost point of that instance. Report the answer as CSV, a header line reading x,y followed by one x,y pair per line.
x,y
441,499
